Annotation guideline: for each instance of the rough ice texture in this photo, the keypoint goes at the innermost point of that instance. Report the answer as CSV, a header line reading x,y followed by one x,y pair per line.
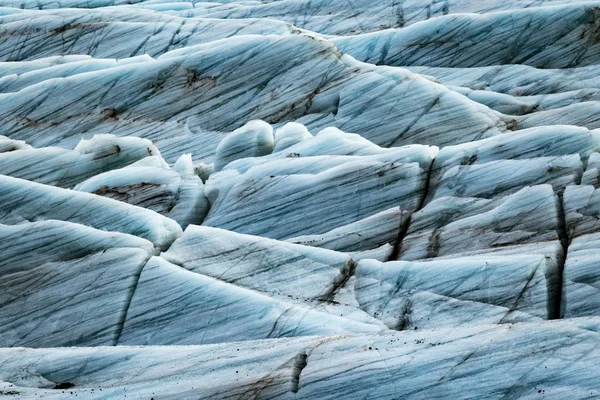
x,y
431,364
453,225
308,276
310,198
299,195
289,135
66,168
254,139
545,155
461,291
24,201
456,363
196,309
257,263
8,145
366,234
581,277
65,284
336,18
331,163
174,98
548,37
107,34
177,193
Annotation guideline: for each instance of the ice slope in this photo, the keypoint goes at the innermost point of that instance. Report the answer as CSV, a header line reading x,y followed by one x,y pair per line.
x,y
65,284
563,36
176,193
310,277
324,16
114,33
465,363
172,305
317,186
24,201
66,168
477,290
452,225
174,99
351,18
581,275
267,265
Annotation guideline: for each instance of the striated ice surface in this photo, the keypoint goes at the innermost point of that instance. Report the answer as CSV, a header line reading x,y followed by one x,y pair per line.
x,y
548,37
172,305
437,363
267,265
24,201
478,289
389,106
289,135
177,193
304,194
299,199
454,225
66,284
66,168
108,33
251,140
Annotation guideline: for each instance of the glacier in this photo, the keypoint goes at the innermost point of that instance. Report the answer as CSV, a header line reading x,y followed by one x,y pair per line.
x,y
299,199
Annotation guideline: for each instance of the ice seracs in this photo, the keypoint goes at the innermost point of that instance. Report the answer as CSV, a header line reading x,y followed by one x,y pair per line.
x,y
289,135
303,190
581,277
377,232
177,193
452,225
254,139
270,266
25,201
274,78
8,144
261,367
66,168
476,290
553,155
544,37
456,363
113,33
515,79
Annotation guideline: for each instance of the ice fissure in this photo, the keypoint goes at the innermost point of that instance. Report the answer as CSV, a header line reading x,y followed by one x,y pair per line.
x,y
123,317
404,227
